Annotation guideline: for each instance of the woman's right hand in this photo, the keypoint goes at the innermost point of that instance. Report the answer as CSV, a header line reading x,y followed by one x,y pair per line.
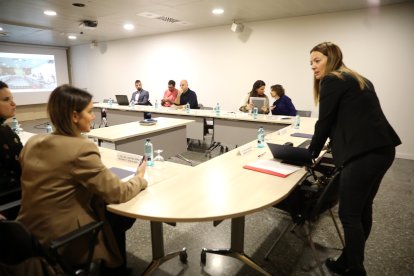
x,y
142,167
249,106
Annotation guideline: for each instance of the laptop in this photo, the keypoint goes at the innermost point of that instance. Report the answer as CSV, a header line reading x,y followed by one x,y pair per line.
x,y
291,155
122,99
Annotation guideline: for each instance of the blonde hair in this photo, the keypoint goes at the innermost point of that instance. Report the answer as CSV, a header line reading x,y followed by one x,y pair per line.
x,y
334,66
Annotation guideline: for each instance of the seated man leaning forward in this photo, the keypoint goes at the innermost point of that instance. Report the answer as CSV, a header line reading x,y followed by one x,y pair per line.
x,y
186,95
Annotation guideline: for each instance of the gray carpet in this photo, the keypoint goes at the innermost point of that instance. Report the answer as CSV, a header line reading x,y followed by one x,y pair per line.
x,y
389,250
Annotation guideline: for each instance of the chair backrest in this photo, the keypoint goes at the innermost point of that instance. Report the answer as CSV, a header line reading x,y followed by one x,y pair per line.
x,y
17,243
328,197
304,113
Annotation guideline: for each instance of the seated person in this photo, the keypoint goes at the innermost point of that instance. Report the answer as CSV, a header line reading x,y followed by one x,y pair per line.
x,y
10,147
186,95
65,185
283,104
258,90
140,96
170,94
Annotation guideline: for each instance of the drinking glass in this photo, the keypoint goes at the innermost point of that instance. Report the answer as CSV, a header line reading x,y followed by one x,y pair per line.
x,y
158,160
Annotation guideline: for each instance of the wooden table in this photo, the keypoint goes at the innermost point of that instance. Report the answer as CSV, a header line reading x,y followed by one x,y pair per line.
x,y
168,134
212,191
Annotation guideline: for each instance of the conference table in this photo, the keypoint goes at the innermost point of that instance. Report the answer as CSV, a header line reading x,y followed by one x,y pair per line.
x,y
168,134
215,190
230,128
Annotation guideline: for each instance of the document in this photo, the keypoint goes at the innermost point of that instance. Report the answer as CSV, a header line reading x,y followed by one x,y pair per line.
x,y
272,167
122,173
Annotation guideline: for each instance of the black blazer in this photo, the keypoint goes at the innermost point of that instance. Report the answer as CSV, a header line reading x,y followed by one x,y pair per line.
x,y
352,119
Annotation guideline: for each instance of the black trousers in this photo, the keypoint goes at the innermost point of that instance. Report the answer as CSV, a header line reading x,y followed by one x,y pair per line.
x,y
359,183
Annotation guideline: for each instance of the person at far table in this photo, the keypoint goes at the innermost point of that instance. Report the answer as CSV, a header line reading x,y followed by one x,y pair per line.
x,y
186,95
10,147
65,185
140,96
258,90
283,104
170,94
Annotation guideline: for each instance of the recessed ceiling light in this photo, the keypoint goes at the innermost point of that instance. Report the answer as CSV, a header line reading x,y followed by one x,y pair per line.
x,y
50,13
217,11
129,27
72,37
1,29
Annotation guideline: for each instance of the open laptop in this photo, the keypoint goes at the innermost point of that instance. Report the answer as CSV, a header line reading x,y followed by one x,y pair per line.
x,y
291,155
122,99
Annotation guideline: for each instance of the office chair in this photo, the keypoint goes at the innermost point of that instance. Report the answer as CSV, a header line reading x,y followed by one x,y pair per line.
x,y
10,202
307,202
304,113
18,245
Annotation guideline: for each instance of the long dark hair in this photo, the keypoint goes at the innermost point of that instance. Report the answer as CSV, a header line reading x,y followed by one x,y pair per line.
x,y
256,85
63,101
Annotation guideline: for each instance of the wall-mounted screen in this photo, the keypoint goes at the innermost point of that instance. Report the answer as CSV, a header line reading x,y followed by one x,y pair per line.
x,y
28,72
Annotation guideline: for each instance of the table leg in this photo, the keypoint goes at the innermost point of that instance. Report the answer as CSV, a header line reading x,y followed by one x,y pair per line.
x,y
158,254
236,248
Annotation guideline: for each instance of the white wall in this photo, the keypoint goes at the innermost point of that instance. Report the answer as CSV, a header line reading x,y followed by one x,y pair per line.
x,y
221,65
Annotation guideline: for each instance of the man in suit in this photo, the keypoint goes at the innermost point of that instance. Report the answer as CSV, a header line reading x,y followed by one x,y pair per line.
x,y
140,96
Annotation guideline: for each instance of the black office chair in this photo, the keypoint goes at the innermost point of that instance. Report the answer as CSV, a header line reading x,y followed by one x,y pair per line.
x,y
316,194
10,202
19,246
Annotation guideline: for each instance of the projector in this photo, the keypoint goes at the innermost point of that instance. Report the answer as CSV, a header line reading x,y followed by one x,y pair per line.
x,y
88,24
237,27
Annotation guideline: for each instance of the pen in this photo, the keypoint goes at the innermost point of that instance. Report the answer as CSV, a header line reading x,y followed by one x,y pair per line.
x,y
260,155
142,160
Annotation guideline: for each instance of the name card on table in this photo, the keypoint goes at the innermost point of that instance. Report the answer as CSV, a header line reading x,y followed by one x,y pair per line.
x,y
244,150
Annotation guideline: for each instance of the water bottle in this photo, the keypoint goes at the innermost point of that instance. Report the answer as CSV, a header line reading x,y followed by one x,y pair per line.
x,y
217,109
49,128
187,107
15,125
156,104
110,102
255,111
260,138
149,152
296,123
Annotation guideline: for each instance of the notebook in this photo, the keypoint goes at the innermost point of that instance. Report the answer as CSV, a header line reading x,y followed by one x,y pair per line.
x,y
291,155
122,99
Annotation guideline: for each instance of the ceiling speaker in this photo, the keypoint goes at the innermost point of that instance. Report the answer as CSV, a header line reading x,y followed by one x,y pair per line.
x,y
237,27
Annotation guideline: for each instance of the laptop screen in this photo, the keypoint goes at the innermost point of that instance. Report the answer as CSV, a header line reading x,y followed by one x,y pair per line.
x,y
122,99
291,155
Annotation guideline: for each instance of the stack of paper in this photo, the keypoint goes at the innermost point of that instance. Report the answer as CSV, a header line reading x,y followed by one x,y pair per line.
x,y
271,167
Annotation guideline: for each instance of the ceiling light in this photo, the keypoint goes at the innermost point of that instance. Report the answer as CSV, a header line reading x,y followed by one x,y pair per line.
x,y
1,29
72,37
129,27
217,11
50,13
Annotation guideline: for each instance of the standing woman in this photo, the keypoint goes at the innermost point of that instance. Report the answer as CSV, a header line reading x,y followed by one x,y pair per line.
x,y
258,90
65,184
10,147
363,145
283,104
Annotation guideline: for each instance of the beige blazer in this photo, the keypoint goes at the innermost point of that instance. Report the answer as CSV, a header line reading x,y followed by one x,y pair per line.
x,y
60,176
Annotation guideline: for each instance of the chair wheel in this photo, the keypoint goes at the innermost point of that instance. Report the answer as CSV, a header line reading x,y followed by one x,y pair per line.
x,y
183,256
203,257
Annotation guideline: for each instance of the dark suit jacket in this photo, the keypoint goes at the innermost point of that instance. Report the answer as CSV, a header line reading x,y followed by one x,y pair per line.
x,y
143,97
352,119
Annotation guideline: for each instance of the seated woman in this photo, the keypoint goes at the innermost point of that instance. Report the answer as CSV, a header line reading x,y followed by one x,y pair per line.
x,y
283,104
258,90
10,147
65,185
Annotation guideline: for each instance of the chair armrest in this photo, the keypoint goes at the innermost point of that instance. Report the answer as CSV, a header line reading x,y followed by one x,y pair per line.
x,y
86,229
10,205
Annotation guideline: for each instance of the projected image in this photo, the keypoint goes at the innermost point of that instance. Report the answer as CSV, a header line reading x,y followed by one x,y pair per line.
x,y
28,72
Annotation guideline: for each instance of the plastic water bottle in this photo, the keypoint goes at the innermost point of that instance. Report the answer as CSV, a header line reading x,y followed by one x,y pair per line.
x,y
260,138
49,128
156,104
187,107
217,109
149,152
296,123
15,125
110,102
255,111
